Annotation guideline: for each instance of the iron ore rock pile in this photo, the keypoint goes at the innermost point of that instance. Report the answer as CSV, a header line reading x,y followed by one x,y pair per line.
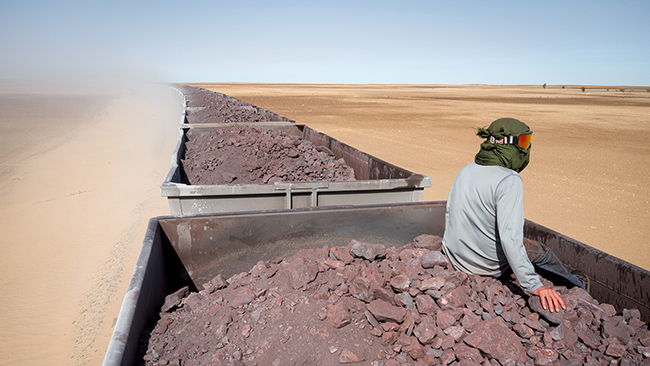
x,y
372,305
206,106
249,154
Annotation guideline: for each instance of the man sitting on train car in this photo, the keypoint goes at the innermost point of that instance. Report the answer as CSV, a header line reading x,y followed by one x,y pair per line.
x,y
485,215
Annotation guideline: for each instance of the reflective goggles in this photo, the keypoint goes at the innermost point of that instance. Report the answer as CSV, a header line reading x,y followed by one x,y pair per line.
x,y
522,140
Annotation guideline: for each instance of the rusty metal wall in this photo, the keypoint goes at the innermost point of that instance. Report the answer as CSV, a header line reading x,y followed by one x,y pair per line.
x,y
613,280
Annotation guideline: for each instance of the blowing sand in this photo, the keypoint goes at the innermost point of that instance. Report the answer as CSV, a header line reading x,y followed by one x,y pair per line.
x,y
81,174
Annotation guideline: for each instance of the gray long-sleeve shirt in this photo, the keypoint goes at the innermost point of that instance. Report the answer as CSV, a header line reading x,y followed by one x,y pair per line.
x,y
485,223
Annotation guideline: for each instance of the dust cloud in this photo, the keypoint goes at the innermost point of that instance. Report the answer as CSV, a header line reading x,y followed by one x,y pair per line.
x,y
81,162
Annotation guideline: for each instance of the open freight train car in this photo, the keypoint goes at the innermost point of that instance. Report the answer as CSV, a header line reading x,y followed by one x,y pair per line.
x,y
206,106
378,181
187,251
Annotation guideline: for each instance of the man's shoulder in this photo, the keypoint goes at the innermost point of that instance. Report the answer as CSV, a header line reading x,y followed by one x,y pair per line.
x,y
489,170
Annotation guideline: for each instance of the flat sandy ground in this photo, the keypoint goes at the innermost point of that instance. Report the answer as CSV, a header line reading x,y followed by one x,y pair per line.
x,y
589,175
81,173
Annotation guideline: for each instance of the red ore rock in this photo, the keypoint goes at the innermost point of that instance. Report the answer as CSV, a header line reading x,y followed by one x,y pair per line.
x,y
300,272
511,317
456,298
431,283
587,338
407,254
384,311
434,258
445,319
616,350
404,299
556,317
348,356
575,296
464,352
333,263
431,242
534,323
400,283
367,251
261,270
214,284
494,338
426,330
524,331
469,321
425,304
218,282
342,254
545,356
415,350
456,332
429,359
361,289
193,301
616,327
389,338
411,318
383,294
447,342
371,319
628,313
338,315
389,326
559,332
644,338
243,297
644,351
447,357
173,300
609,310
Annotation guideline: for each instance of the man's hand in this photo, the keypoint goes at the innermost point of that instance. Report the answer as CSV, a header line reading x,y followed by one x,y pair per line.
x,y
548,295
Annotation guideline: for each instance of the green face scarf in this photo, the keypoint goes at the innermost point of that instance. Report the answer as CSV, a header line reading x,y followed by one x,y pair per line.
x,y
510,156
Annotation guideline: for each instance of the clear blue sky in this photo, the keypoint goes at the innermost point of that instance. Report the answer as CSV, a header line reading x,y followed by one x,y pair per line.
x,y
587,42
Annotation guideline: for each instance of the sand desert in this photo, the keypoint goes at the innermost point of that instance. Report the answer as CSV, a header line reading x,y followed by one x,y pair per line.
x,y
589,174
81,173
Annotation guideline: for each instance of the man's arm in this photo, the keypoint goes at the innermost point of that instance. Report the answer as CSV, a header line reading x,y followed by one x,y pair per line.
x,y
509,197
510,221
